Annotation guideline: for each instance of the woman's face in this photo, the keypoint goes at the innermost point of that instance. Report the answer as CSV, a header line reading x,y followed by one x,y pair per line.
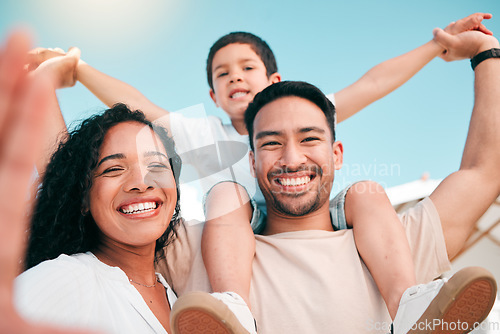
x,y
133,195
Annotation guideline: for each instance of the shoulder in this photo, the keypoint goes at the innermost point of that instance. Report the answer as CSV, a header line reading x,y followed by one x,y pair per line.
x,y
63,269
56,288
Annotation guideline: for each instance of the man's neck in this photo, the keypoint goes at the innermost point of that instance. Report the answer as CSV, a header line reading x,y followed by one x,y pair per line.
x,y
279,223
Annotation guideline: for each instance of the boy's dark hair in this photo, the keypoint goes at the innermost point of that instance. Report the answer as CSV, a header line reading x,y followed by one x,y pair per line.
x,y
258,45
61,221
289,88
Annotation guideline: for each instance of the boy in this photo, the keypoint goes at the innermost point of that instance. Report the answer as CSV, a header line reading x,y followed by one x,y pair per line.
x,y
239,66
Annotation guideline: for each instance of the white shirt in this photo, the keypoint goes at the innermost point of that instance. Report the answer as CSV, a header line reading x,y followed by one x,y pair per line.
x,y
213,152
80,291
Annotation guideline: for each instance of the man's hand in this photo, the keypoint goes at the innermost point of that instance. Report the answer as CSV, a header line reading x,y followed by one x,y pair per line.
x,y
464,45
23,110
473,22
62,66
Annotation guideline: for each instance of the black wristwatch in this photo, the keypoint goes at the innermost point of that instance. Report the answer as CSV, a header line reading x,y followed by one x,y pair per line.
x,y
477,59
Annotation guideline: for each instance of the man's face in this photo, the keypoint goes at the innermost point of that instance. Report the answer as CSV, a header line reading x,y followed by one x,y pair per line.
x,y
294,158
238,74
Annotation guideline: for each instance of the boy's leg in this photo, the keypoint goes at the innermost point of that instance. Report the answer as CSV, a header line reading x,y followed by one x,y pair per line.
x,y
228,243
381,241
228,249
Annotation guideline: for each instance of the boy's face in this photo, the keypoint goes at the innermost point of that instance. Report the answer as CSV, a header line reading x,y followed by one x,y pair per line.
x,y
238,74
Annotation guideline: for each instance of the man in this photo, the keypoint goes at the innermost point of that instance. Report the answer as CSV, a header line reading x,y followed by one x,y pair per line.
x,y
308,279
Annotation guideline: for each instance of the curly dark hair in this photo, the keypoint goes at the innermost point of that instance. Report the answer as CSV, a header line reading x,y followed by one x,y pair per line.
x,y
61,223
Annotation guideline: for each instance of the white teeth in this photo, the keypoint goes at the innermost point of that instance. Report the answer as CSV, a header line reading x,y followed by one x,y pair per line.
x,y
238,94
295,181
140,207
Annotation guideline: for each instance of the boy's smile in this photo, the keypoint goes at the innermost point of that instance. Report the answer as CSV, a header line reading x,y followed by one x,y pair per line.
x,y
238,75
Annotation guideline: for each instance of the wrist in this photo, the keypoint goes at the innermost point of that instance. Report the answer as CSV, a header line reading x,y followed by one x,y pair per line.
x,y
487,45
484,55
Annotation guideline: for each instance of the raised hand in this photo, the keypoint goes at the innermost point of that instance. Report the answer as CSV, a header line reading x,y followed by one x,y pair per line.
x,y
62,66
464,45
23,110
469,23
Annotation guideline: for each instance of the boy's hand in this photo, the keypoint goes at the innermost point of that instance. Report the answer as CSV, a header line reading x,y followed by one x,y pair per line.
x,y
23,110
464,45
62,66
469,23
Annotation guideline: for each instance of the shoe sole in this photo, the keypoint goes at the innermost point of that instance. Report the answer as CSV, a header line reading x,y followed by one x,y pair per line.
x,y
200,313
464,301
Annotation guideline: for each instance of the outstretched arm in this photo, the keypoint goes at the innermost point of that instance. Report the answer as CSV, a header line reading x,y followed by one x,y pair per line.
x,y
106,88
24,106
391,74
463,197
111,91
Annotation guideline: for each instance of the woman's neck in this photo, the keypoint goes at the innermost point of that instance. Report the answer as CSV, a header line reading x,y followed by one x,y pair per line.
x,y
137,263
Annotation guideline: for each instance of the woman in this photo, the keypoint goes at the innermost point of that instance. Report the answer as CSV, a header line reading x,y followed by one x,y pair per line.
x,y
107,206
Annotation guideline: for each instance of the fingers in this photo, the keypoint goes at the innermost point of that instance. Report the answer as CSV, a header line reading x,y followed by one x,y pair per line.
x,y
471,22
23,109
11,70
39,55
74,52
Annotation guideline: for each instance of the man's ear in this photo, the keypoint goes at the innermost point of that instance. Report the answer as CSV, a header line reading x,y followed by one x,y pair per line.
x,y
212,96
274,78
338,154
251,158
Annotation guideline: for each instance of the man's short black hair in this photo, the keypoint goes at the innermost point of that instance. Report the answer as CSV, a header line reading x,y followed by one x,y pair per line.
x,y
289,88
258,45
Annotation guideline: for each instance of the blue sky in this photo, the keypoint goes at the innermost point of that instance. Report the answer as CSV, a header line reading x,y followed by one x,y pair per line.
x,y
160,47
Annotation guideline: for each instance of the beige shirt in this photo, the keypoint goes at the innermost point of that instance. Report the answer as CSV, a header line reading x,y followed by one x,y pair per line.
x,y
313,281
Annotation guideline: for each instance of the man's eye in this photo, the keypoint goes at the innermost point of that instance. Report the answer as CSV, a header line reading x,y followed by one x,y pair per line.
x,y
270,143
309,139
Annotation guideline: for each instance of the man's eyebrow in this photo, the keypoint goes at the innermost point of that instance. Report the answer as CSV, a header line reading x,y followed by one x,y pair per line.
x,y
312,129
110,157
267,133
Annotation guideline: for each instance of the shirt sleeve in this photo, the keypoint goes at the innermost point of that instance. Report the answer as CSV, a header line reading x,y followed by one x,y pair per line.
x,y
56,292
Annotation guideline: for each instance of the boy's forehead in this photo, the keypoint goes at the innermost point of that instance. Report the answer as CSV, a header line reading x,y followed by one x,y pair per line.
x,y
234,52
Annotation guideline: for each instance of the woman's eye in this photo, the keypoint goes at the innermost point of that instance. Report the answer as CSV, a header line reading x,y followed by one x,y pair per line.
x,y
112,171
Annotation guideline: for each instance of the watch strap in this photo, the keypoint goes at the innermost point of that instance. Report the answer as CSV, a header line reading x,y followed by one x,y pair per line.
x,y
477,59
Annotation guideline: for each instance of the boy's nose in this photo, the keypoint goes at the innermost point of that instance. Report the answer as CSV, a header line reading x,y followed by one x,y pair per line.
x,y
236,76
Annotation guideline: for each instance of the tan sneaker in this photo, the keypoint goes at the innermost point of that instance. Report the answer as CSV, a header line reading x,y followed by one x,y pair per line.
x,y
207,313
453,306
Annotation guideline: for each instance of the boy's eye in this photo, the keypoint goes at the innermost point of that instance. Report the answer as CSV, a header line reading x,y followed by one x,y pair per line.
x,y
248,68
221,74
158,167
